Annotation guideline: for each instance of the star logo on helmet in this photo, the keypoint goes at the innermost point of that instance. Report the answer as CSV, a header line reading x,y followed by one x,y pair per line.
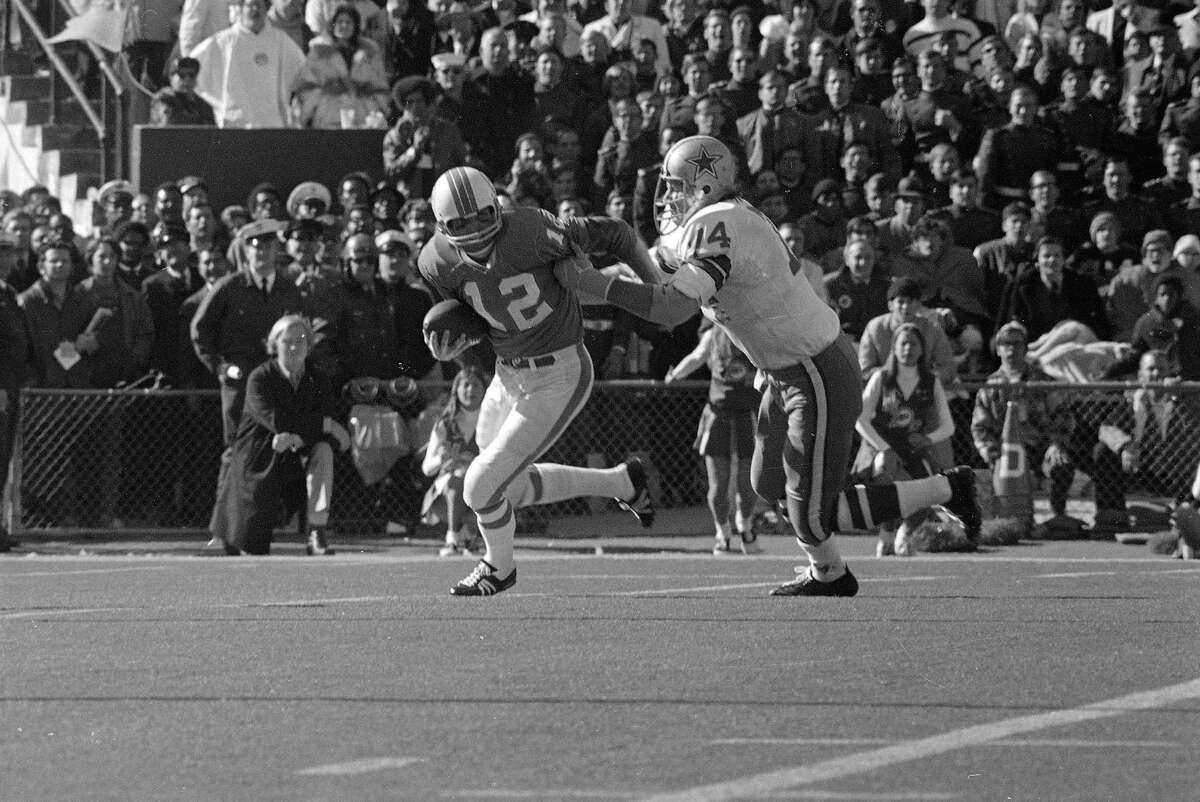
x,y
705,163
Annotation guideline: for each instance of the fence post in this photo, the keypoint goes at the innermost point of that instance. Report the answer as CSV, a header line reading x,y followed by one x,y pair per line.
x,y
12,502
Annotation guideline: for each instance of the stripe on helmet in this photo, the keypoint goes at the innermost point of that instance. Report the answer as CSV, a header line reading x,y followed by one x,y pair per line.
x,y
464,196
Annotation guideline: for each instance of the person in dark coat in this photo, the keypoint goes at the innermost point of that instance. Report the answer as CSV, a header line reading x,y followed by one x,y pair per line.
x,y
1042,298
282,455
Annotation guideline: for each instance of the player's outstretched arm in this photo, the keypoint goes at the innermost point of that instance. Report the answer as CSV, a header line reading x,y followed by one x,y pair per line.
x,y
657,303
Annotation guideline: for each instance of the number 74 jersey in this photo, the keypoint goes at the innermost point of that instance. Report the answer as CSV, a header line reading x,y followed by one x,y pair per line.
x,y
731,258
516,292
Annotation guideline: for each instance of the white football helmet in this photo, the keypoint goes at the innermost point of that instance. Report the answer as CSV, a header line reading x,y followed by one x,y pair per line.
x,y
467,212
696,172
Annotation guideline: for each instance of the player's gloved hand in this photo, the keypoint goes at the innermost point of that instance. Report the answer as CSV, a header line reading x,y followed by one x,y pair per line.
x,y
445,346
338,432
285,441
1055,456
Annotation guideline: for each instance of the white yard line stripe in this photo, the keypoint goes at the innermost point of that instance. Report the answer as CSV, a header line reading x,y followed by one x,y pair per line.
x,y
704,588
1072,574
533,793
363,766
862,762
68,611
1070,743
88,571
222,606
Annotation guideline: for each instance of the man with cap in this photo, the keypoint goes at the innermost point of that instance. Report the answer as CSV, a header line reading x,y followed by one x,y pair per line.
x,y
409,298
302,244
421,145
231,325
1131,292
825,227
450,75
309,201
1047,421
165,291
16,365
194,190
895,232
178,104
115,199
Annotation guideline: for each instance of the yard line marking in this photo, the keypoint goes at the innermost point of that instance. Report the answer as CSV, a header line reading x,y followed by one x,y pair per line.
x,y
554,793
221,606
363,766
866,796
88,571
862,762
67,611
314,602
1075,574
532,793
1071,743
703,588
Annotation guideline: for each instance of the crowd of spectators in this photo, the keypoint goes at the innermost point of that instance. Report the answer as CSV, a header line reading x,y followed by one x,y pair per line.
x,y
947,164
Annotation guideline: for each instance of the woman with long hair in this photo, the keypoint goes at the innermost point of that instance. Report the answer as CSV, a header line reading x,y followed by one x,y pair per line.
x,y
905,422
343,82
447,456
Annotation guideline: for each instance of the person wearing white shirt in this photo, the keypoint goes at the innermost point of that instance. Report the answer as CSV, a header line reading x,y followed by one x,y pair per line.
x,y
248,71
623,29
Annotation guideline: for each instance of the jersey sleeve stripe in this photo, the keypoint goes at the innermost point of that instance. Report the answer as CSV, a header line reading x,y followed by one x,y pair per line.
x,y
717,267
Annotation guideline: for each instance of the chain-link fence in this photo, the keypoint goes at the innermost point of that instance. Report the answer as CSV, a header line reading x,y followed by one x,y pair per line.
x,y
150,459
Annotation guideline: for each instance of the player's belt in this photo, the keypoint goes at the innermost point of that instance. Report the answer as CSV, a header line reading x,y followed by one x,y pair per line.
x,y
526,362
598,325
1009,192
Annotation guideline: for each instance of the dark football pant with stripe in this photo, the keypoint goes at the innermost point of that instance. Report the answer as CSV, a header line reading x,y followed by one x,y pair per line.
x,y
804,442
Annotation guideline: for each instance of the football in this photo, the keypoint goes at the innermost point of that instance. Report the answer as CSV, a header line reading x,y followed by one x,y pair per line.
x,y
455,317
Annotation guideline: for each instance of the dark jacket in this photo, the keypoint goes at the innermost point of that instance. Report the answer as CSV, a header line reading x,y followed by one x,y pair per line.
x,y
263,488
1035,307
231,325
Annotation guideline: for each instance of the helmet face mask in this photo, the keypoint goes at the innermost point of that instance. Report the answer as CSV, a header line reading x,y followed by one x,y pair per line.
x,y
467,211
697,172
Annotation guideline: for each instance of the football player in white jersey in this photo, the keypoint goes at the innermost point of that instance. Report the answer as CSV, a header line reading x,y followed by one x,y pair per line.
x,y
724,255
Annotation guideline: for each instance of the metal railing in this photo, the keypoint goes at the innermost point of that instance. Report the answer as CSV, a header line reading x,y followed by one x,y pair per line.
x,y
113,90
148,459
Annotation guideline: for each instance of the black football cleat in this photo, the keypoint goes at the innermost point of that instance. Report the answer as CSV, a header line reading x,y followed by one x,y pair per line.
x,y
963,502
483,582
641,505
806,585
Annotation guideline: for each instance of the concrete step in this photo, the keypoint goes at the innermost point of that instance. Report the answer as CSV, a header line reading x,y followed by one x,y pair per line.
x,y
25,87
37,112
73,187
57,163
49,137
